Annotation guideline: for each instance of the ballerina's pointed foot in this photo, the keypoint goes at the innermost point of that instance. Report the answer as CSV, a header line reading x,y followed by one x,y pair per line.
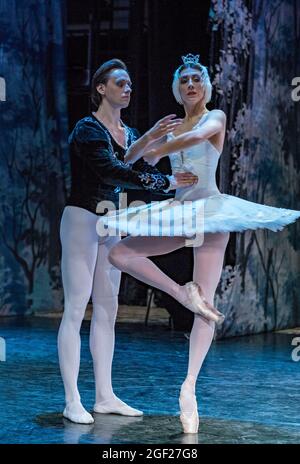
x,y
189,416
116,406
75,412
197,303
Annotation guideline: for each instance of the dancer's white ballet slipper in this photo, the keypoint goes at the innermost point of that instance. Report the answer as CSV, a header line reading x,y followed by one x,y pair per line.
x,y
116,406
188,409
197,303
75,412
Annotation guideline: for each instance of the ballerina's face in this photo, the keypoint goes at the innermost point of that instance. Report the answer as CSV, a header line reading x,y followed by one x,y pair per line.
x,y
190,86
117,89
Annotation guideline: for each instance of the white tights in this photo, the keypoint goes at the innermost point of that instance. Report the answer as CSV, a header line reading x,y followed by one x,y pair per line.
x,y
131,256
86,271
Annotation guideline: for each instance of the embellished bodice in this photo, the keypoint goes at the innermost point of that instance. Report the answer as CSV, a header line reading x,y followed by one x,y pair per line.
x,y
202,160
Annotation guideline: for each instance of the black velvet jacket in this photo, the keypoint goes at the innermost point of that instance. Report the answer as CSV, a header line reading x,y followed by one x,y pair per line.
x,y
98,171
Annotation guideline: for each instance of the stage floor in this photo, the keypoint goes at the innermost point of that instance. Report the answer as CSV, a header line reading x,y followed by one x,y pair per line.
x,y
248,390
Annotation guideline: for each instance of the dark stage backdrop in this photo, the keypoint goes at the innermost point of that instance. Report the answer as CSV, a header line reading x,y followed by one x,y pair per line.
x,y
252,49
34,155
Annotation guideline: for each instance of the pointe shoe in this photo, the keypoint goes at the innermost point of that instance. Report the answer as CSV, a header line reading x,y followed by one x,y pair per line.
x,y
118,407
197,303
190,422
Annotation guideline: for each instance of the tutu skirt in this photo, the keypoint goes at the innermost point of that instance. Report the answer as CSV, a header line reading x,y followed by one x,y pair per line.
x,y
216,213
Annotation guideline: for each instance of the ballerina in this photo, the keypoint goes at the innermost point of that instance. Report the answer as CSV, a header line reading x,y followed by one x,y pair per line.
x,y
98,144
196,145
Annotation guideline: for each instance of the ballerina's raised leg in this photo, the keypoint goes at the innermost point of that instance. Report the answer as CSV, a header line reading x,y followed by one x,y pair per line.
x,y
131,255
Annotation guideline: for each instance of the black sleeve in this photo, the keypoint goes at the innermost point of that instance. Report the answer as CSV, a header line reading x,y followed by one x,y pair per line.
x,y
110,170
143,166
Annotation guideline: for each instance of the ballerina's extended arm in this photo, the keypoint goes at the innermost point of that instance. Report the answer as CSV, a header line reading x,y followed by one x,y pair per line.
x,y
214,124
152,138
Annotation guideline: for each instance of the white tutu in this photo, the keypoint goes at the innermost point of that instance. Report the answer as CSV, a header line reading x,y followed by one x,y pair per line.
x,y
216,213
197,209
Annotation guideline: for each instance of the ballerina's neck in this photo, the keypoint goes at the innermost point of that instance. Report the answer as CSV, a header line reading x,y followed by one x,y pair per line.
x,y
189,124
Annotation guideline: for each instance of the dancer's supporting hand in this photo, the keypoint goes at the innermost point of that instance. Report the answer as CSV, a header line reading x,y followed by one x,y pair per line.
x,y
153,137
182,179
163,127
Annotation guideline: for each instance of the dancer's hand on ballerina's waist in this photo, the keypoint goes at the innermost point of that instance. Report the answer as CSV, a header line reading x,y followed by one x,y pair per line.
x,y
181,179
163,127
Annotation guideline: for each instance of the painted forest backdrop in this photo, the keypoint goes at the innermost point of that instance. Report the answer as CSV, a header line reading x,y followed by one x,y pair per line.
x,y
34,156
254,56
255,52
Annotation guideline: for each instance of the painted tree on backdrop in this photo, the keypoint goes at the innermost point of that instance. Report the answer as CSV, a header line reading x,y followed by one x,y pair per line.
x,y
255,56
33,156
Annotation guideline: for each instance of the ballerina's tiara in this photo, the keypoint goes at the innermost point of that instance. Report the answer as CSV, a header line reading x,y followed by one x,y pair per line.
x,y
190,59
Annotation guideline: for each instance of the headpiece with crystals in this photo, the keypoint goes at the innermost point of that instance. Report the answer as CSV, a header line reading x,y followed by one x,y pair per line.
x,y
190,59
